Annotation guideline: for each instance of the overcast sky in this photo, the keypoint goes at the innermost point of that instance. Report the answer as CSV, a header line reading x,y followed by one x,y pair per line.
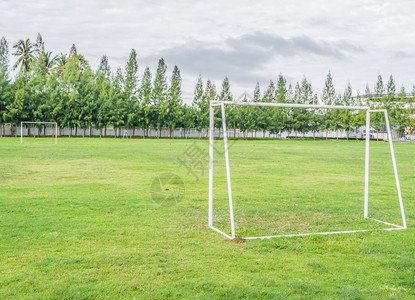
x,y
248,41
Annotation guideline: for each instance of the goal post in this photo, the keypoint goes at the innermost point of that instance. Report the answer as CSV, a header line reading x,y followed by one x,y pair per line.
x,y
46,123
232,235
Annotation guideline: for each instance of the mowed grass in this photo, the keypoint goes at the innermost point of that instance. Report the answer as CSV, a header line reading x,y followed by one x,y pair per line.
x,y
77,220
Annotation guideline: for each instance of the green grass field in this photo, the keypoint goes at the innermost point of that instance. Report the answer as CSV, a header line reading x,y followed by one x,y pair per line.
x,y
77,220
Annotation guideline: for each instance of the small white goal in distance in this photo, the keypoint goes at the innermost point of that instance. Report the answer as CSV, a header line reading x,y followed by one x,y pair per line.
x,y
125,135
46,123
222,104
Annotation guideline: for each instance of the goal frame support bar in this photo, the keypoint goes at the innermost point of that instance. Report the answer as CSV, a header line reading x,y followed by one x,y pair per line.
x,y
27,122
222,104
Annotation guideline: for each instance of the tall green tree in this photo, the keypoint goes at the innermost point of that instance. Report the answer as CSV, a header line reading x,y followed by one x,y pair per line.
x,y
329,93
368,96
281,90
36,92
358,118
104,94
201,106
147,111
245,118
268,114
16,109
277,117
132,106
131,77
388,100
69,96
345,115
117,107
260,112
198,93
399,114
56,100
188,119
70,79
269,93
159,95
5,86
225,93
336,117
210,92
306,94
209,95
257,93
86,94
379,89
40,44
378,99
174,101
104,68
328,98
301,118
6,95
78,60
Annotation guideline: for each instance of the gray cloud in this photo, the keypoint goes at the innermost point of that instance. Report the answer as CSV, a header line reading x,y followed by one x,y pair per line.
x,y
401,55
242,58
277,45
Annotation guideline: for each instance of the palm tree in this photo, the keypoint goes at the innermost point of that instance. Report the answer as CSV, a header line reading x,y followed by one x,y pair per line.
x,y
26,52
47,62
61,63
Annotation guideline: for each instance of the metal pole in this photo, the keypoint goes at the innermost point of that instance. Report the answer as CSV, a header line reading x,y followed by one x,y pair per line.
x,y
211,119
228,173
366,205
395,170
56,133
21,132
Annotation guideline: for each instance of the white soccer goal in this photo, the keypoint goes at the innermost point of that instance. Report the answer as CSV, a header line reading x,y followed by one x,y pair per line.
x,y
222,104
46,123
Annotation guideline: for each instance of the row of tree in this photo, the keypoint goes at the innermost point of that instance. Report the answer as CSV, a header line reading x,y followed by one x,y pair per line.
x,y
64,89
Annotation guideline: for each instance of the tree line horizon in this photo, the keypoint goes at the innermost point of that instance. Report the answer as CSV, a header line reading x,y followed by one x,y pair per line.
x,y
64,89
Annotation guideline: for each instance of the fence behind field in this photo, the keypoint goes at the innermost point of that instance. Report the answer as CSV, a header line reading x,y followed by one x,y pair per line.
x,y
34,131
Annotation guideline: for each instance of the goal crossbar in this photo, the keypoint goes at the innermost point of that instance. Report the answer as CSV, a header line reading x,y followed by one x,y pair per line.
x,y
288,105
222,104
27,122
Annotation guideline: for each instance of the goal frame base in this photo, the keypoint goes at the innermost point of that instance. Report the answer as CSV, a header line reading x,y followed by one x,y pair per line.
x,y
395,227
